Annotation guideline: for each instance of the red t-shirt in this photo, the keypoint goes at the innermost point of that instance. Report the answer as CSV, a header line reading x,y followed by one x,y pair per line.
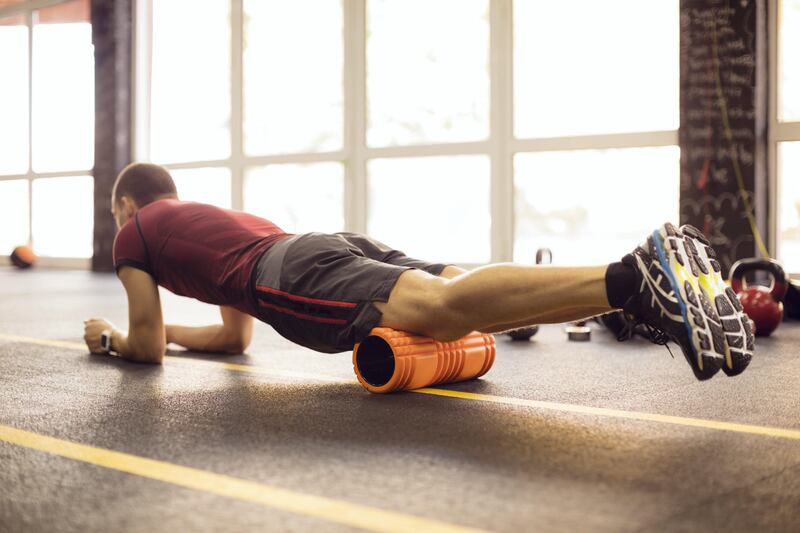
x,y
197,250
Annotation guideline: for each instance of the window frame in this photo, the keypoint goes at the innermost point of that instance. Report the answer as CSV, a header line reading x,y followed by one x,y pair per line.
x,y
778,131
26,9
500,147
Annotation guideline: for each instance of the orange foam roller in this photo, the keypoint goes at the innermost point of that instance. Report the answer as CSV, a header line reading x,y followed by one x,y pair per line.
x,y
388,360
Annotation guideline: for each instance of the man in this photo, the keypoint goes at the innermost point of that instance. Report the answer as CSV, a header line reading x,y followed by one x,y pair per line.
x,y
327,291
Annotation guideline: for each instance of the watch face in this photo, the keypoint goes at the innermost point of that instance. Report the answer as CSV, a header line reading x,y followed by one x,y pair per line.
x,y
105,341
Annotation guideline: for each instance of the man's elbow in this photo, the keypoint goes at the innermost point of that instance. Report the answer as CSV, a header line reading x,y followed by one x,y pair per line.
x,y
154,358
153,355
148,358
236,347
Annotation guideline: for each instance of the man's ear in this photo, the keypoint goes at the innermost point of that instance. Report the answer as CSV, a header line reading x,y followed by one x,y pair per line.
x,y
128,206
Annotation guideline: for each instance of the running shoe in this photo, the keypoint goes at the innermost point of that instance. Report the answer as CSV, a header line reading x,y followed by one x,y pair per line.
x,y
682,297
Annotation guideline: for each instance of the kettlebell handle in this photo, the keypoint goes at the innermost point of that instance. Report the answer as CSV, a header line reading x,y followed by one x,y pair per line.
x,y
742,267
544,256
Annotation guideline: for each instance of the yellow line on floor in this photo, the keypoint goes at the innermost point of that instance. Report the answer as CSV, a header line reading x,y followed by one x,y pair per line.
x,y
767,431
332,510
43,342
184,360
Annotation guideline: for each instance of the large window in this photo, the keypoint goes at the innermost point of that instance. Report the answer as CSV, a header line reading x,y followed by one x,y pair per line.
x,y
432,87
47,129
585,68
293,67
578,81
785,133
435,207
456,130
190,104
302,196
592,207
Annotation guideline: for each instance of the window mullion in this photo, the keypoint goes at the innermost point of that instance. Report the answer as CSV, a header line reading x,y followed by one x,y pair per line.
x,y
773,243
141,86
501,130
355,105
237,104
29,22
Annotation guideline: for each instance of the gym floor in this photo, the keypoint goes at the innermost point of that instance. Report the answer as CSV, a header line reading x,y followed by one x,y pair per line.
x,y
558,436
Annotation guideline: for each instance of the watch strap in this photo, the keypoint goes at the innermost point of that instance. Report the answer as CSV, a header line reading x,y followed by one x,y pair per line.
x,y
105,341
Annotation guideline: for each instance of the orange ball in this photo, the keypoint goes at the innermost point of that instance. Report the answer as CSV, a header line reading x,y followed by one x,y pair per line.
x,y
23,257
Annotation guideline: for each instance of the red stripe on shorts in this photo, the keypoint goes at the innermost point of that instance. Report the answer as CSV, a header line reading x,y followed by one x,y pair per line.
x,y
337,321
331,303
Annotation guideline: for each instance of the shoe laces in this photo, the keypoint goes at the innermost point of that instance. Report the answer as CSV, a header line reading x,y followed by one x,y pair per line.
x,y
653,334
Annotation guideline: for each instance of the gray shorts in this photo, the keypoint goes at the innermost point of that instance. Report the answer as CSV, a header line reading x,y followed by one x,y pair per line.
x,y
317,289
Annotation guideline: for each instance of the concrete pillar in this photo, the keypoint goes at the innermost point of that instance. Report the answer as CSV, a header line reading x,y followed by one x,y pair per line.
x,y
112,36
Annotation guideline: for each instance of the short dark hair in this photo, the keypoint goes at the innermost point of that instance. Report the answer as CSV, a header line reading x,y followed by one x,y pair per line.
x,y
144,183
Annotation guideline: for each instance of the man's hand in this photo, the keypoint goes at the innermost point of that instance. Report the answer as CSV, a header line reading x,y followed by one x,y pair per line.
x,y
92,330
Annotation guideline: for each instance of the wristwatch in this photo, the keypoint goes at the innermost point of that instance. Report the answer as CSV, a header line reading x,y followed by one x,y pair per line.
x,y
105,342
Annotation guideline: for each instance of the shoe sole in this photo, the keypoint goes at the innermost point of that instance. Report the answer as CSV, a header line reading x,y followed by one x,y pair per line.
x,y
714,316
701,354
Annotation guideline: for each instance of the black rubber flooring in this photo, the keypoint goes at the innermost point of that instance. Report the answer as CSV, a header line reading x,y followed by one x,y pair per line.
x,y
300,422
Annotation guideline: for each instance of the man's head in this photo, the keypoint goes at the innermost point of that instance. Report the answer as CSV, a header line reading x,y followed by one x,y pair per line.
x,y
138,185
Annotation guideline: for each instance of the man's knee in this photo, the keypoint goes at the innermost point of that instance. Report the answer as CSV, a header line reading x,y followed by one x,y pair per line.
x,y
455,322
420,303
443,319
425,296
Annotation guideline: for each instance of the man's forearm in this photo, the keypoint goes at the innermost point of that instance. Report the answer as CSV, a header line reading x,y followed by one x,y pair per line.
x,y
204,338
123,345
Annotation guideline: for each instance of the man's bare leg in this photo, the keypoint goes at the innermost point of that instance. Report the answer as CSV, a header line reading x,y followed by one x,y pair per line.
x,y
451,271
672,271
557,317
491,296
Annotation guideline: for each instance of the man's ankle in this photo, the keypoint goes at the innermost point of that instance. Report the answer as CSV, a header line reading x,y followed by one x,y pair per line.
x,y
620,284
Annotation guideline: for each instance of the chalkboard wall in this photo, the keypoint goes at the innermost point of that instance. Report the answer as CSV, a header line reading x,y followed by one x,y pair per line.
x,y
723,110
